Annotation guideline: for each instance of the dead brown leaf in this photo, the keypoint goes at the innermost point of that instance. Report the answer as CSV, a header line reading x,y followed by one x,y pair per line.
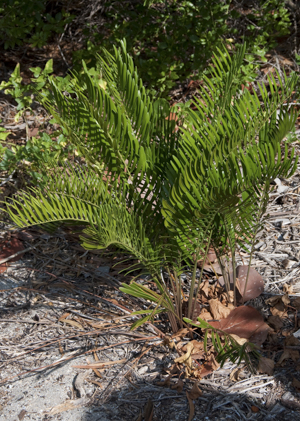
x,y
288,289
255,285
198,349
215,365
272,301
71,404
165,383
197,373
291,341
214,268
168,342
195,392
296,303
279,310
245,322
9,247
266,365
285,299
287,332
240,341
148,411
206,369
287,354
205,315
72,323
278,305
211,257
178,386
218,310
22,414
209,366
192,407
296,384
235,374
267,70
63,316
227,298
186,358
181,333
275,322
174,369
204,289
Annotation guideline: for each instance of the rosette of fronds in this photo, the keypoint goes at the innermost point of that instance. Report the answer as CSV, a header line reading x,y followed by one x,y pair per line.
x,y
160,188
220,178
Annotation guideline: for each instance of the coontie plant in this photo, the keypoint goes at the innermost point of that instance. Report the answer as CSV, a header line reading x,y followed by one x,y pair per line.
x,y
163,189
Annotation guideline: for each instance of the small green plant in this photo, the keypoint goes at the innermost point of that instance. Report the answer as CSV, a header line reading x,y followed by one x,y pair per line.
x,y
24,94
3,133
38,88
33,158
165,190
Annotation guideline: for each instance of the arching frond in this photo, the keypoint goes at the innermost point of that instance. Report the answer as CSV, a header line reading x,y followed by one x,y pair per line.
x,y
163,189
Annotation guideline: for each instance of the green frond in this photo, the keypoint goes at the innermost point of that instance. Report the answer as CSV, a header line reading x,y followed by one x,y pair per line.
x,y
220,159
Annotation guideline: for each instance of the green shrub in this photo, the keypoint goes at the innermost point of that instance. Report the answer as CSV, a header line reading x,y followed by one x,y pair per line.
x,y
172,40
24,94
162,190
32,158
23,21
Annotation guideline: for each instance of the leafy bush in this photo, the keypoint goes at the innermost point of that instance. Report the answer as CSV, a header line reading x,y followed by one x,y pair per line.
x,y
161,189
174,40
171,40
24,94
29,21
32,158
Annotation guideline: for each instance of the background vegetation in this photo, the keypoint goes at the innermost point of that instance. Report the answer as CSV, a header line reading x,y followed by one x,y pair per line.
x,y
171,41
